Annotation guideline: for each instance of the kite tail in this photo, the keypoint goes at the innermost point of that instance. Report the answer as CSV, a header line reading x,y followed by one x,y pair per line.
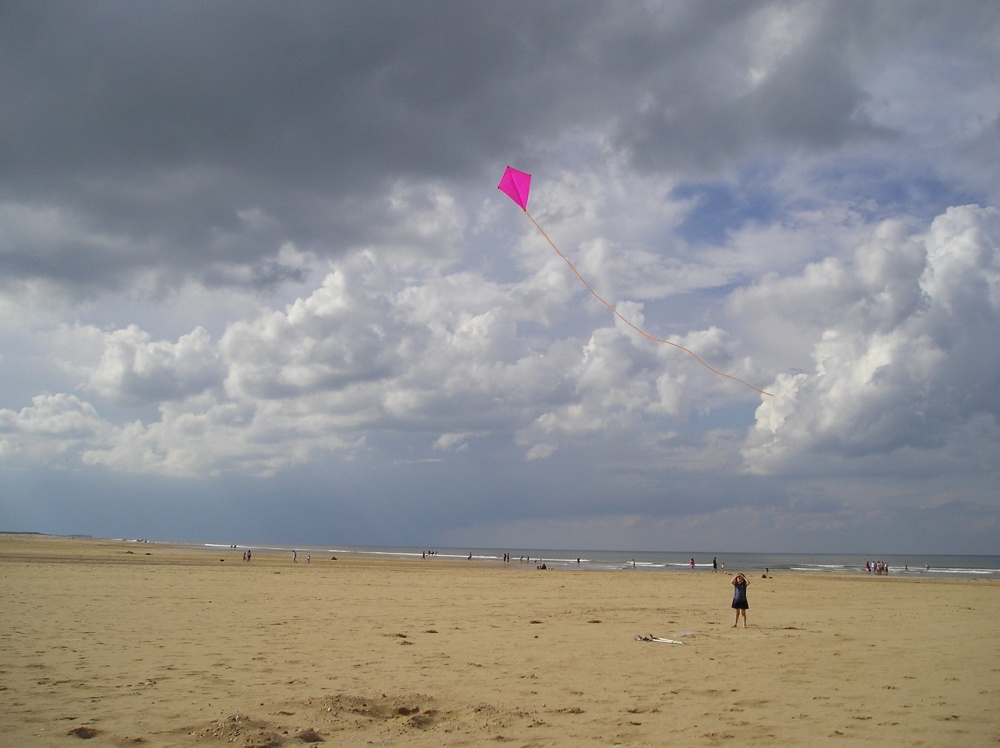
x,y
629,323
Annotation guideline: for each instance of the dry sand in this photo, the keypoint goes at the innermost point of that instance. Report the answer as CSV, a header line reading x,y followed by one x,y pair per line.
x,y
104,643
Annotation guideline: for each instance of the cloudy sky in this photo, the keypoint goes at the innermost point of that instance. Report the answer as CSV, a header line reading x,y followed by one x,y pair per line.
x,y
257,283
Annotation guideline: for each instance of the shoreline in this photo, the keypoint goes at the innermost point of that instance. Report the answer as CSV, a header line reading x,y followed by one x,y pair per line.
x,y
970,566
658,561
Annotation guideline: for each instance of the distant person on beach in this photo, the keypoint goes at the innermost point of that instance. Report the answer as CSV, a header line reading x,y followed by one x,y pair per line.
x,y
715,564
692,564
740,602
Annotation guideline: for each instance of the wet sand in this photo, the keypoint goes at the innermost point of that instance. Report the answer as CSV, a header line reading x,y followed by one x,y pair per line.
x,y
123,644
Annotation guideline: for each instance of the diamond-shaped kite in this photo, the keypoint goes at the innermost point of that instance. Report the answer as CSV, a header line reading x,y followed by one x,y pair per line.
x,y
516,185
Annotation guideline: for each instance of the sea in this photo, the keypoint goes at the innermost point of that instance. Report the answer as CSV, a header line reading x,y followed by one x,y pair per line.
x,y
915,565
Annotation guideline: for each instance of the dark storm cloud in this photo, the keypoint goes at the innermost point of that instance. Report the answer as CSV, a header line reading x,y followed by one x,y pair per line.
x,y
717,99
147,131
156,124
300,95
283,90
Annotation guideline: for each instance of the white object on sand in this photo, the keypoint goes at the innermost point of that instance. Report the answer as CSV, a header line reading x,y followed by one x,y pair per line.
x,y
659,639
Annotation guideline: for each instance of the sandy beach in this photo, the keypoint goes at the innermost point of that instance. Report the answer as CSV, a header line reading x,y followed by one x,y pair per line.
x,y
121,644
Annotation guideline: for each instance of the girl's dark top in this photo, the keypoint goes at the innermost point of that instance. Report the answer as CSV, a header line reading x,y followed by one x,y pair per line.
x,y
740,596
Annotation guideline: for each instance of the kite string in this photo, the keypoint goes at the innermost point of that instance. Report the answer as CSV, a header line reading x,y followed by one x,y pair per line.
x,y
628,322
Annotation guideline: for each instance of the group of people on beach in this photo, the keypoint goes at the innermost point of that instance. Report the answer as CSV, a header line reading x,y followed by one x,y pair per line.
x,y
877,567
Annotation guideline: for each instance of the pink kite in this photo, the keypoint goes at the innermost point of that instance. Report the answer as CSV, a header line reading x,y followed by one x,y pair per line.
x,y
516,185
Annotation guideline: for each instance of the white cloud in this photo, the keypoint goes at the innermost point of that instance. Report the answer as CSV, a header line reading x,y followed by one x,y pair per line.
x,y
433,354
135,368
203,437
53,427
903,360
